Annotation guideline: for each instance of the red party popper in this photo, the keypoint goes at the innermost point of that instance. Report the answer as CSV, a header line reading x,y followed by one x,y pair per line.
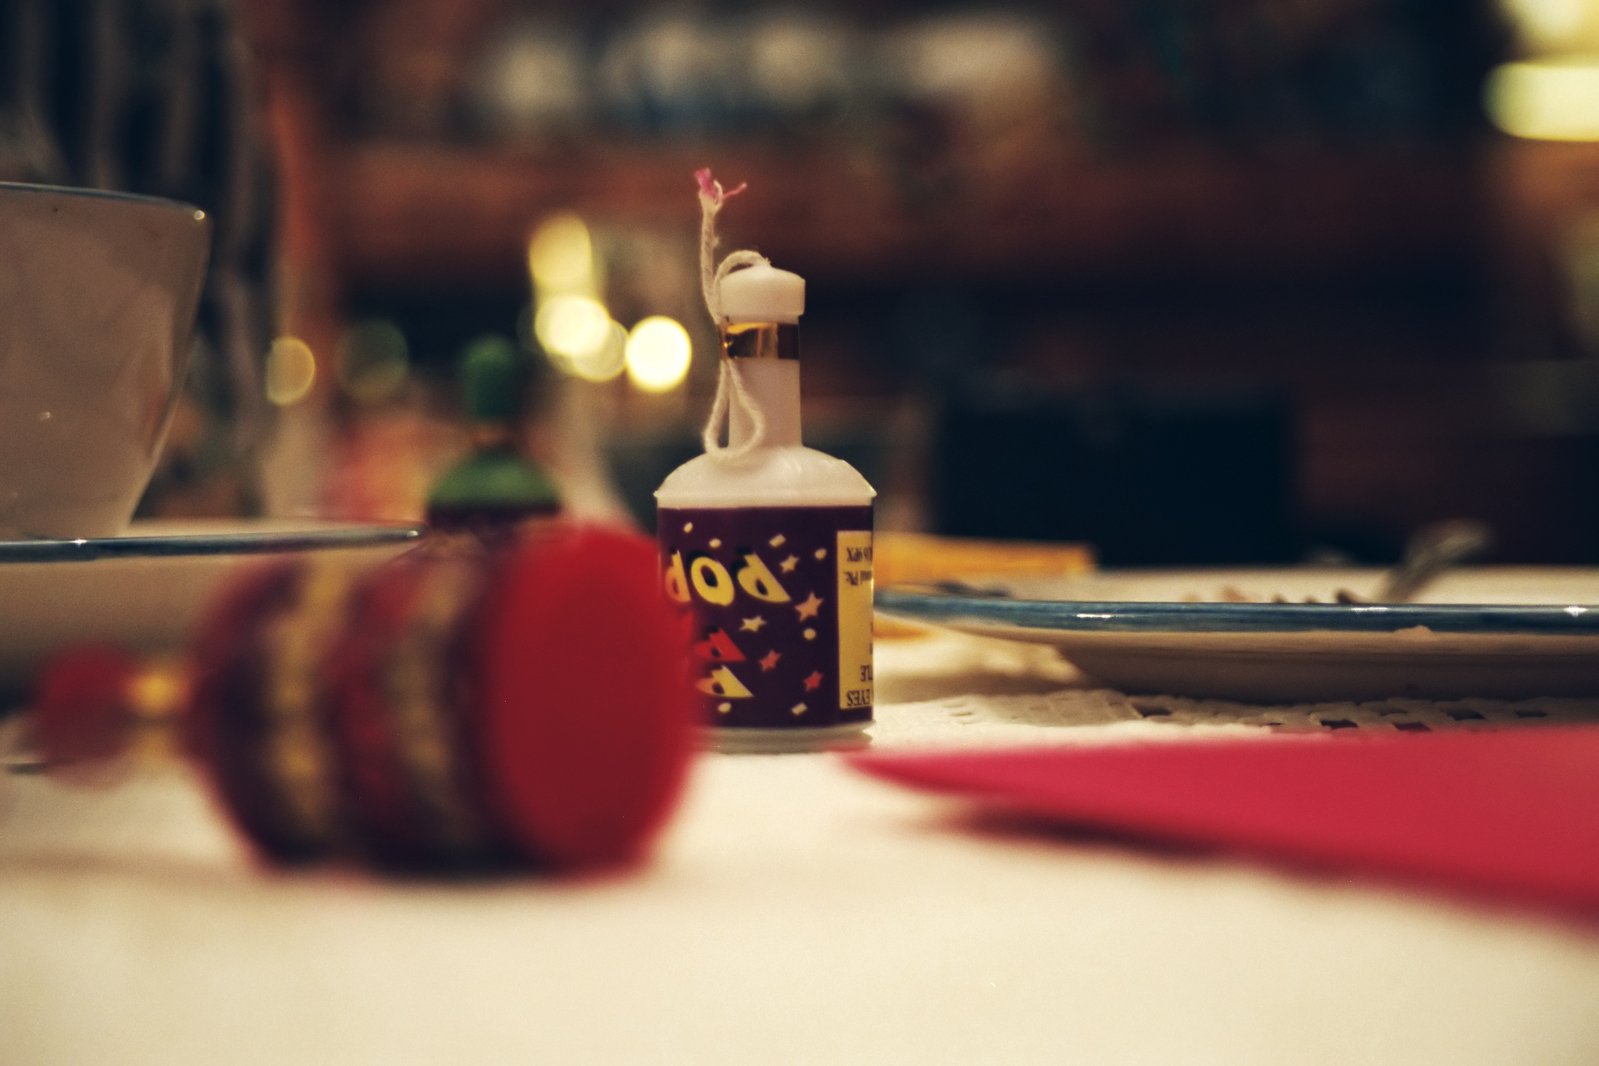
x,y
457,708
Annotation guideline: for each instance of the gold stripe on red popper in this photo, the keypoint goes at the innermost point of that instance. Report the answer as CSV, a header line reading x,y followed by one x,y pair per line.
x,y
415,675
299,756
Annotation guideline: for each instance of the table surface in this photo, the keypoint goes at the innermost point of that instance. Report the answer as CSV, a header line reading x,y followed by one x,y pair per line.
x,y
795,911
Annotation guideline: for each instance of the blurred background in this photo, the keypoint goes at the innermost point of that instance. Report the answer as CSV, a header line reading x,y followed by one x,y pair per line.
x,y
1193,281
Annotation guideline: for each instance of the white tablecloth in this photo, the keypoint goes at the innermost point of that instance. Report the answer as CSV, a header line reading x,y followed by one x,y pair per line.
x,y
795,912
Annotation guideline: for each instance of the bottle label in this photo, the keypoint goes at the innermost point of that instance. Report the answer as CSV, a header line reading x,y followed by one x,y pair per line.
x,y
782,597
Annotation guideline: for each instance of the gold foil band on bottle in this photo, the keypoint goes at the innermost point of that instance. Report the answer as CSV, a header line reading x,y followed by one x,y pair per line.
x,y
760,340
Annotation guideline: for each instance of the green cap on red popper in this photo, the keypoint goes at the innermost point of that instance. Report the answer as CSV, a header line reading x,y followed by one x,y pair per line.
x,y
494,377
497,484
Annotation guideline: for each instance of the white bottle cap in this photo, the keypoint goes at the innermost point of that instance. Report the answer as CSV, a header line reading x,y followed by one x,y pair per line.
x,y
762,293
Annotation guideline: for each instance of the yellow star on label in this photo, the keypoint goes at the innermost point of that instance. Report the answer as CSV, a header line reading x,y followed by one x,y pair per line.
x,y
808,607
788,565
752,625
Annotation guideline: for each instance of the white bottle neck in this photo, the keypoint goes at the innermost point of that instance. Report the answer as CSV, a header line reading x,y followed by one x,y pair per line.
x,y
773,386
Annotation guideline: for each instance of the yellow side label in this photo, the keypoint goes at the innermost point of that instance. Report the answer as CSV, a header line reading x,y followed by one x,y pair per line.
x,y
854,619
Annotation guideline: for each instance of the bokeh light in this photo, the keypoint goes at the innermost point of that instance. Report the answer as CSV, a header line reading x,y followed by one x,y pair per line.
x,y
1551,26
604,363
1549,100
571,329
290,371
658,354
560,256
372,361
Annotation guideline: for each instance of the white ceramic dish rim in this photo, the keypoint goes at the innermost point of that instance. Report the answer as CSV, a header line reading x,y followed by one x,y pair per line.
x,y
168,540
102,194
1008,603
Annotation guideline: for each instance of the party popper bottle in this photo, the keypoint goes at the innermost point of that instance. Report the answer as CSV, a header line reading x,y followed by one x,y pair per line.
x,y
770,543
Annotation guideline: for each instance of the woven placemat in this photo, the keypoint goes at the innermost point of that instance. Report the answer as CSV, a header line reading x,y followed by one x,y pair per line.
x,y
947,688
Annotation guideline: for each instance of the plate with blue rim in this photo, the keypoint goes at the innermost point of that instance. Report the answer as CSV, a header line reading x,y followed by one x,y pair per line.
x,y
145,588
1292,635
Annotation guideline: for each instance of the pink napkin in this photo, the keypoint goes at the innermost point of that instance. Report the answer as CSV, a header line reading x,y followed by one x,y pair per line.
x,y
1510,815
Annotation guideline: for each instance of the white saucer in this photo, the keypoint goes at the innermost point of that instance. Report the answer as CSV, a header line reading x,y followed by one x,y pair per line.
x,y
144,589
1494,632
